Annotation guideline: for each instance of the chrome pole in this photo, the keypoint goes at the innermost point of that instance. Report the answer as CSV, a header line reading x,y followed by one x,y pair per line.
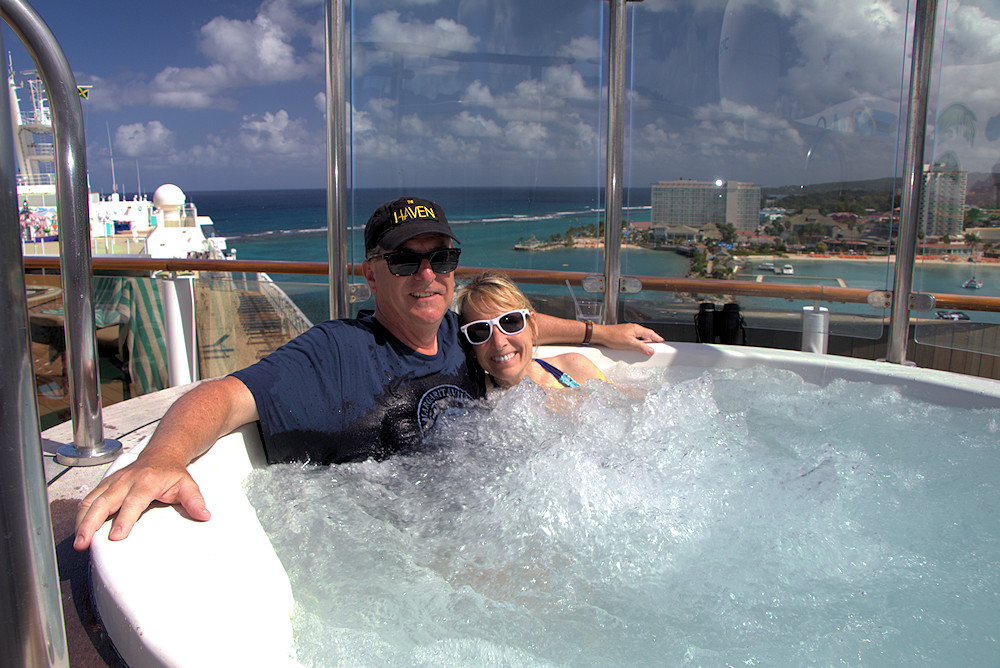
x,y
614,164
31,631
89,446
925,15
336,158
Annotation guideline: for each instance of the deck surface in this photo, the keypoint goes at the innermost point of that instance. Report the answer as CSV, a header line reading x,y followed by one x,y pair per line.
x,y
128,422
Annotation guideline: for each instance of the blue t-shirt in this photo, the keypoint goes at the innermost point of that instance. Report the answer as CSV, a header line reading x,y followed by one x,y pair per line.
x,y
348,390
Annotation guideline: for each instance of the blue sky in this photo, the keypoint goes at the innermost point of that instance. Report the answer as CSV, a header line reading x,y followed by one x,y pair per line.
x,y
230,94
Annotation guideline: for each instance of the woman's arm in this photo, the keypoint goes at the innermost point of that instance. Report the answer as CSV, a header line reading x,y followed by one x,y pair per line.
x,y
627,336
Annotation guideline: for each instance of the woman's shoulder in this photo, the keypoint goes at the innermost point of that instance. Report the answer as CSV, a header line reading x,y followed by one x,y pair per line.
x,y
577,365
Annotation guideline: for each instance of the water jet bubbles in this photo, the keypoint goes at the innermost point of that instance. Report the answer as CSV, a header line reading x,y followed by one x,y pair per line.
x,y
690,518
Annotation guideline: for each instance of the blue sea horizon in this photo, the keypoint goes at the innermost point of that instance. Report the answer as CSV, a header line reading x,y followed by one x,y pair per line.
x,y
291,225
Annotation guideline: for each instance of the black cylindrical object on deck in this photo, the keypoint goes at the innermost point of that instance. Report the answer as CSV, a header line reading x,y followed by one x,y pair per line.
x,y
728,328
704,323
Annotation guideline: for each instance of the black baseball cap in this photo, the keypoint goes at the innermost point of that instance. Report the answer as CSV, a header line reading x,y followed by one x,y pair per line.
x,y
398,221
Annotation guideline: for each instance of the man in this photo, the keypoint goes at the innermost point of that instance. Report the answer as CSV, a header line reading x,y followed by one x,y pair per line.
x,y
346,389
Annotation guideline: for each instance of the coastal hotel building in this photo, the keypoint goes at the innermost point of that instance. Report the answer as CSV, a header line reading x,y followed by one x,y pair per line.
x,y
682,208
942,201
685,209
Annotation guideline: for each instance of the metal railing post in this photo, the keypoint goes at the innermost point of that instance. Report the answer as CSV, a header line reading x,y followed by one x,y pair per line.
x,y
913,167
336,158
89,446
31,631
614,167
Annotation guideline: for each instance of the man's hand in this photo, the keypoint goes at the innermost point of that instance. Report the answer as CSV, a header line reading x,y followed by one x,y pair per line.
x,y
191,426
130,491
627,336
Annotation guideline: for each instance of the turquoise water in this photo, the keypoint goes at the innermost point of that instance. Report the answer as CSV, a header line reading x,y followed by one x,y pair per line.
x,y
291,225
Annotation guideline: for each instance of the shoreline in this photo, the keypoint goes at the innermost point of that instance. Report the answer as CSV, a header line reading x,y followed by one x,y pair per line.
x,y
591,243
870,259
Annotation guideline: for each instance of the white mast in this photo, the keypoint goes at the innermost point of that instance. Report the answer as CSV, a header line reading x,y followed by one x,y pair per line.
x,y
111,151
15,114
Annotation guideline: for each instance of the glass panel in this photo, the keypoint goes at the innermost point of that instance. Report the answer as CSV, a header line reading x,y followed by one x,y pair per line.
x,y
239,318
493,110
48,344
243,317
768,136
960,214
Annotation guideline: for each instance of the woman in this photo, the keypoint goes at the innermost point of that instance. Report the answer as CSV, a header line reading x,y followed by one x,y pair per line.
x,y
500,324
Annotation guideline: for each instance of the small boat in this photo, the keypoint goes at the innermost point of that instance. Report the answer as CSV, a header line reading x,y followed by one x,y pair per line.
x,y
951,315
787,269
973,284
766,266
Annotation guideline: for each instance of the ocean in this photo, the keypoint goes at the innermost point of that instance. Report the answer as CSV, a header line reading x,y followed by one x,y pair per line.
x,y
291,225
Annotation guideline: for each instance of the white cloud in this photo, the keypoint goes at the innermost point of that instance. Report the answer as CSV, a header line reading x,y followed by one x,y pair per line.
x,y
276,134
566,83
419,38
526,136
467,125
414,126
674,5
845,48
277,45
972,37
138,140
250,51
559,91
582,48
361,123
478,94
190,88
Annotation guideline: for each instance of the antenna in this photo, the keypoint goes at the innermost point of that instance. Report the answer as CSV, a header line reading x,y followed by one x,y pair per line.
x,y
111,151
138,179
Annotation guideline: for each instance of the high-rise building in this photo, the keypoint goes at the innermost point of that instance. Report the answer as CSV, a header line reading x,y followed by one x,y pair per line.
x,y
942,201
700,203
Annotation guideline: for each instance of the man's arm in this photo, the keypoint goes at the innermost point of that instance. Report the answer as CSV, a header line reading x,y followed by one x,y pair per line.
x,y
191,426
627,336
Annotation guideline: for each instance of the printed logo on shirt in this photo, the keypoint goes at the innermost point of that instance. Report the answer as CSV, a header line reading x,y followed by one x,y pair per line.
x,y
438,401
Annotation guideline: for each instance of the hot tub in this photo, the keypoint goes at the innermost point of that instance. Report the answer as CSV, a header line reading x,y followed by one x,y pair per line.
x,y
184,593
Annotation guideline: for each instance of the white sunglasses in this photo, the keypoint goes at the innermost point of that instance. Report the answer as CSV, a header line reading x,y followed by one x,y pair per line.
x,y
510,323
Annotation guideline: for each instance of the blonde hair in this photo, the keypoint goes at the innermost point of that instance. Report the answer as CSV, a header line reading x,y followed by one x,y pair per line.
x,y
493,289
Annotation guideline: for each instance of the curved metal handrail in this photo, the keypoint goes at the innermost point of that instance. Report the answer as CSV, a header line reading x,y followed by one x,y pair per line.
x,y
32,632
89,447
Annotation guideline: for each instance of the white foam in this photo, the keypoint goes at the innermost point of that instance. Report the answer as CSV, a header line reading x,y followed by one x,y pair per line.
x,y
724,516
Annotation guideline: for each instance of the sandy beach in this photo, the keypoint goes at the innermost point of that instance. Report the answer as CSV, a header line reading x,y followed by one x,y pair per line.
x,y
807,257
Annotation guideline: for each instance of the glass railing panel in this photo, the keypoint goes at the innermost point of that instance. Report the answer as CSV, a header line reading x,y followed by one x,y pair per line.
x,y
771,132
238,319
959,220
120,244
492,110
242,317
48,346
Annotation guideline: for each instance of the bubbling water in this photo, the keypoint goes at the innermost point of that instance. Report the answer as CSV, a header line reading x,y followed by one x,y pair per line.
x,y
677,517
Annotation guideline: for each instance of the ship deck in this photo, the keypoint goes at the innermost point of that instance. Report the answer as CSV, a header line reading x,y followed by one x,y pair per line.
x,y
128,422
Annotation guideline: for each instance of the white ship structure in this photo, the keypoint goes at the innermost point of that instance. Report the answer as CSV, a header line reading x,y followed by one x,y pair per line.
x,y
166,227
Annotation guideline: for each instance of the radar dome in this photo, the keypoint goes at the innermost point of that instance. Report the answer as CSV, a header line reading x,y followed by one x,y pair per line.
x,y
168,195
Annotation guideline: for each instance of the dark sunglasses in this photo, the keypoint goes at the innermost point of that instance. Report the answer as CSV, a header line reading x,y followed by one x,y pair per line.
x,y
479,332
407,263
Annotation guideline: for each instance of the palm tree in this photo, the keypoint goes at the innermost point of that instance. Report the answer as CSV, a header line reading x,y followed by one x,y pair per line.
x,y
972,240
